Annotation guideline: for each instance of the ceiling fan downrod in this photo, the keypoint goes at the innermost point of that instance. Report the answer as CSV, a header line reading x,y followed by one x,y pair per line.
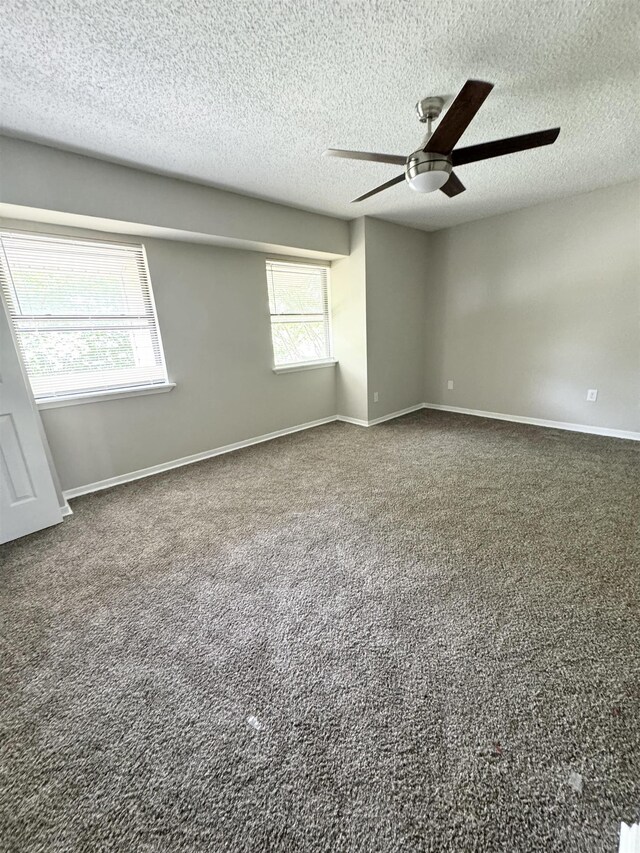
x,y
428,110
427,171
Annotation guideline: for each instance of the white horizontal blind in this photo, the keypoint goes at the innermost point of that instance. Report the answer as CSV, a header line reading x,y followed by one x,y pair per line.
x,y
299,305
83,313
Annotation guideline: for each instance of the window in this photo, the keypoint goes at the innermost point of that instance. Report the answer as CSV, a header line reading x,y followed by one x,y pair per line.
x,y
299,306
83,313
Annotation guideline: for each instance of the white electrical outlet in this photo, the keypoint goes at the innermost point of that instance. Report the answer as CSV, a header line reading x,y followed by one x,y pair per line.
x,y
375,396
592,395
450,385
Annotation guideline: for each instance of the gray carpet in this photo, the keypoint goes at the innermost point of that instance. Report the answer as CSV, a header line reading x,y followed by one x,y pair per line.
x,y
404,638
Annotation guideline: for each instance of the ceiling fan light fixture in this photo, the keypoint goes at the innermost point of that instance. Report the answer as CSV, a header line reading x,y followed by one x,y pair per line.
x,y
428,182
426,172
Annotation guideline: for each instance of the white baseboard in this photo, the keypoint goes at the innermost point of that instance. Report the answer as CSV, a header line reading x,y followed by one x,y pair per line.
x,y
188,460
66,509
399,414
229,448
218,451
355,421
519,419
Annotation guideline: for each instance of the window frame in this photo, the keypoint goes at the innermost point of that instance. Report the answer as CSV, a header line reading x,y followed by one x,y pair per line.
x,y
313,364
68,398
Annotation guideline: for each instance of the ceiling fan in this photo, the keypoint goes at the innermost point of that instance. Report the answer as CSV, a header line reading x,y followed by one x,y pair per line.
x,y
431,167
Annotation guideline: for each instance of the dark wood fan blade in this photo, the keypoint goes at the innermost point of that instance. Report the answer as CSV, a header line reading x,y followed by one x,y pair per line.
x,y
458,117
396,159
453,186
486,150
380,188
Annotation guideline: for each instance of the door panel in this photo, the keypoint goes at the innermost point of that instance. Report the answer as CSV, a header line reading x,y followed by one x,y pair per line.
x,y
28,498
14,465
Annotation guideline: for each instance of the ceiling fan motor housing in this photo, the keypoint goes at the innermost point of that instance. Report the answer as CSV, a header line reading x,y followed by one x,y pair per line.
x,y
426,171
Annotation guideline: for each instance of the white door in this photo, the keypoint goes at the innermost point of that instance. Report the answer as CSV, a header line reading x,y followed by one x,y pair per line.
x,y
28,498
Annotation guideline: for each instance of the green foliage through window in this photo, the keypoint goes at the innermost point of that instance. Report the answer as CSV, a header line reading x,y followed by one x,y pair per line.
x,y
83,313
299,306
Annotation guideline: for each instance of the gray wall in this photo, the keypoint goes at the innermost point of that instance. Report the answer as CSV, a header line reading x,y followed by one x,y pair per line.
x,y
349,307
397,272
528,310
42,180
213,313
523,311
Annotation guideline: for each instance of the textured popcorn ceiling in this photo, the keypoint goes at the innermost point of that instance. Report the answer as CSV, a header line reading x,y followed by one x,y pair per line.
x,y
246,95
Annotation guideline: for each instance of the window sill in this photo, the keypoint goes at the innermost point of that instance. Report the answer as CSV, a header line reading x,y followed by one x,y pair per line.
x,y
305,365
97,396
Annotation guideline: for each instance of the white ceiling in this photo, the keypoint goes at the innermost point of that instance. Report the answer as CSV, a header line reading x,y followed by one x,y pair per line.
x,y
246,94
